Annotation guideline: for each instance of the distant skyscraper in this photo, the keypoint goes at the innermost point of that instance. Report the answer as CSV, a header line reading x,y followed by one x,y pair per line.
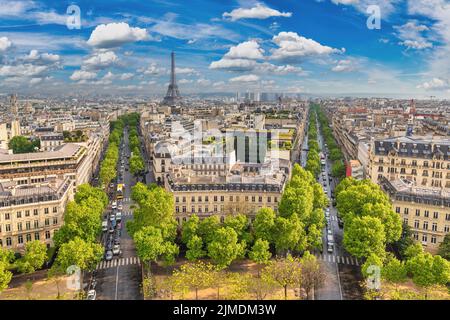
x,y
173,95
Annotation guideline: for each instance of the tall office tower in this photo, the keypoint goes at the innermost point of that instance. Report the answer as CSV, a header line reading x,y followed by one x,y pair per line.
x,y
173,95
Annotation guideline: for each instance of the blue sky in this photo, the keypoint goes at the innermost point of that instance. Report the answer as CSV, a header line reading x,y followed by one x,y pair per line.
x,y
298,46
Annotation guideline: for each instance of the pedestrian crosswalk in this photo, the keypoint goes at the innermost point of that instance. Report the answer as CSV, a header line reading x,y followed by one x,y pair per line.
x,y
338,259
126,200
118,262
127,213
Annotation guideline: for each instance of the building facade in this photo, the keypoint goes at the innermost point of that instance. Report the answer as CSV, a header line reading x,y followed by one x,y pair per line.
x,y
32,212
425,210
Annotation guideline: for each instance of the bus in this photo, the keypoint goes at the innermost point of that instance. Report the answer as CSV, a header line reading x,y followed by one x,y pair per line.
x,y
119,194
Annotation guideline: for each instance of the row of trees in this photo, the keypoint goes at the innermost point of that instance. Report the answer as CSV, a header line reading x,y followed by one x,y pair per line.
x,y
108,167
34,258
75,240
137,164
21,144
304,273
335,154
374,232
313,160
297,227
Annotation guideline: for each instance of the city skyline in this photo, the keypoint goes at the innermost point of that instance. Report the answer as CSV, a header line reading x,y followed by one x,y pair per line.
x,y
307,47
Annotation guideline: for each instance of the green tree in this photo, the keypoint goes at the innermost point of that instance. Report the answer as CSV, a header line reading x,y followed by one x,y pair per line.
x,y
136,164
238,223
151,246
444,247
263,224
225,248
190,228
289,234
394,271
80,253
285,272
195,248
5,276
364,236
20,144
372,261
391,221
427,271
338,169
155,207
312,274
314,237
196,276
34,257
207,228
413,250
260,252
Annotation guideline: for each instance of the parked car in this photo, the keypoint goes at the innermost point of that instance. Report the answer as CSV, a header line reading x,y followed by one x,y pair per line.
x,y
116,249
329,232
330,238
91,295
112,217
330,248
105,225
111,230
108,255
113,223
114,205
119,216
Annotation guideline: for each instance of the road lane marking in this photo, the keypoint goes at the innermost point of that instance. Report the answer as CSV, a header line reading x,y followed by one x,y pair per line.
x,y
346,258
357,262
334,259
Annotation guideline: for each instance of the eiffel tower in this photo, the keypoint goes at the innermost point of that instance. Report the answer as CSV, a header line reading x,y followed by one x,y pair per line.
x,y
172,97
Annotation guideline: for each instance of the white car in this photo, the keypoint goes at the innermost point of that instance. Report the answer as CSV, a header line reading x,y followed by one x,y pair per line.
x,y
330,238
116,249
120,206
329,232
114,205
112,217
105,225
91,295
118,216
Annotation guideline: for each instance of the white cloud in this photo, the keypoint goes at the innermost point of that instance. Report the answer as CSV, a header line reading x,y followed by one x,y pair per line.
x,y
411,36
218,84
152,69
259,11
246,50
387,7
435,84
82,75
233,64
34,81
185,81
100,60
245,78
126,76
22,70
344,66
5,44
191,32
115,34
185,71
42,58
203,82
292,47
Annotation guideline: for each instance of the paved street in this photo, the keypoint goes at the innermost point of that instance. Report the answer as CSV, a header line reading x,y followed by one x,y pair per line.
x,y
333,262
120,278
